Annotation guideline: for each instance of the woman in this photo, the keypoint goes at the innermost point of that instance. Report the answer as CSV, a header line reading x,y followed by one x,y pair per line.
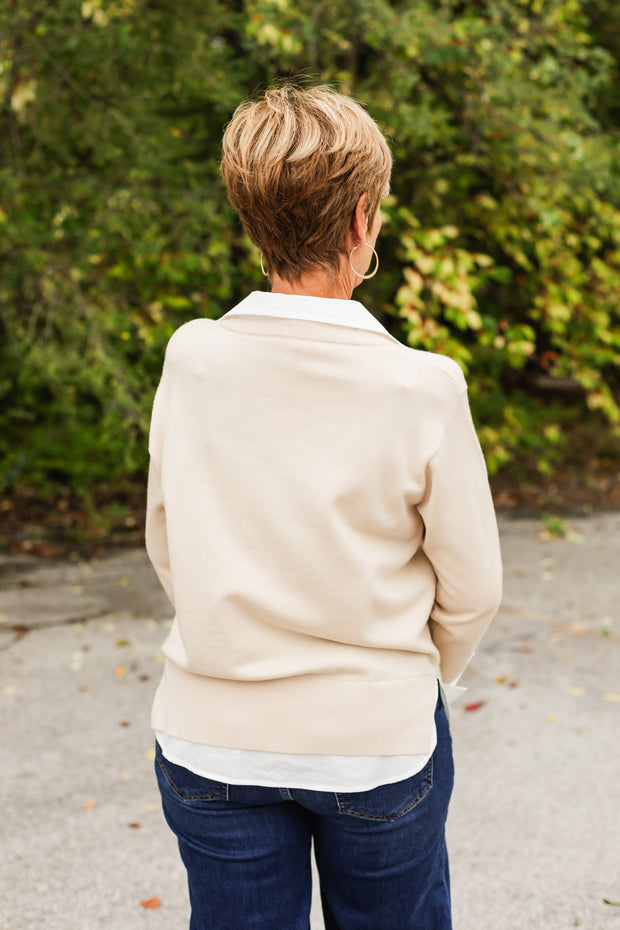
x,y
320,517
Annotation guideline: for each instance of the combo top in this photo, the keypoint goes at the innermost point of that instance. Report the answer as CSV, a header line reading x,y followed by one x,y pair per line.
x,y
320,517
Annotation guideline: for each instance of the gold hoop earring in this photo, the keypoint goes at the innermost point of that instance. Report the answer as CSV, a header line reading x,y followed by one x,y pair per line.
x,y
370,274
262,267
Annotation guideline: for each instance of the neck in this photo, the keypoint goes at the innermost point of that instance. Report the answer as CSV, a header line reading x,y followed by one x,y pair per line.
x,y
314,284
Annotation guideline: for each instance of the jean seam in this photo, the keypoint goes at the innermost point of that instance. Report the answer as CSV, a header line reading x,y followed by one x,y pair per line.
x,y
223,796
424,790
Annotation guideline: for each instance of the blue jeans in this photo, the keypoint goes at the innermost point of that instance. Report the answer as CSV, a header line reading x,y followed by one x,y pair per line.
x,y
381,854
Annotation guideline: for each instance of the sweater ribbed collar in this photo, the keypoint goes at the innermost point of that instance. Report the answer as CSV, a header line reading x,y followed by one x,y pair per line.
x,y
317,309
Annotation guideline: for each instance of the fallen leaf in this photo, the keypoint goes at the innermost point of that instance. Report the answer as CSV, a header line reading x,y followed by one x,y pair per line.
x,y
613,903
151,903
90,805
120,671
500,680
77,661
552,718
121,641
573,537
124,581
134,825
475,705
124,723
150,755
612,698
578,629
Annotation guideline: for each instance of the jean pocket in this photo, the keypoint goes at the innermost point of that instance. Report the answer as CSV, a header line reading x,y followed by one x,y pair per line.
x,y
186,785
388,802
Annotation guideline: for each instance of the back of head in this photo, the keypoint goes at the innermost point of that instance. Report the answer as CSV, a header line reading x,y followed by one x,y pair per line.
x,y
295,164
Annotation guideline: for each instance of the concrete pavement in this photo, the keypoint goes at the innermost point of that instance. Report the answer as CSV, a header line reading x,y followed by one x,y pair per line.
x,y
534,829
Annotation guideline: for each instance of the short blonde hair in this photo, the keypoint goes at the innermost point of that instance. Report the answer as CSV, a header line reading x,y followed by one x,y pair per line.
x,y
295,164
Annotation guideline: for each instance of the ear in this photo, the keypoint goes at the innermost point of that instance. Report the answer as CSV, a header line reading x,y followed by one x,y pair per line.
x,y
359,223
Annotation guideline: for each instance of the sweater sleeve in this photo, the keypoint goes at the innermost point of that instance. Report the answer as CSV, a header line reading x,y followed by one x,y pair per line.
x,y
462,543
156,532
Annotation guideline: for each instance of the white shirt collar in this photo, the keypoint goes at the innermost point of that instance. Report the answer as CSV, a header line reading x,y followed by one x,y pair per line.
x,y
318,309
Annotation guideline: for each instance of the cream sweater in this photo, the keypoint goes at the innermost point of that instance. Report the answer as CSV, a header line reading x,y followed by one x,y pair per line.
x,y
319,515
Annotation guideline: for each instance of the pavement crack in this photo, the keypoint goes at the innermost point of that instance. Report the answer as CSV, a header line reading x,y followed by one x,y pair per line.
x,y
20,630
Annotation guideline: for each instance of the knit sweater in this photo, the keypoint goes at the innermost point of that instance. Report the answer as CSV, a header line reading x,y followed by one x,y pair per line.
x,y
320,517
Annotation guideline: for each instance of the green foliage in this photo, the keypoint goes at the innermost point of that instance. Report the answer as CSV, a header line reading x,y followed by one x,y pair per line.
x,y
554,526
502,233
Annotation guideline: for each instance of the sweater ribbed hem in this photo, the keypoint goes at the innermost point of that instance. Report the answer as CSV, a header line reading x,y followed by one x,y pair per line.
x,y
298,715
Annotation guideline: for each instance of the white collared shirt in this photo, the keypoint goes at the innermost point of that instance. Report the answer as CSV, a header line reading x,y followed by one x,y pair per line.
x,y
318,309
270,769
